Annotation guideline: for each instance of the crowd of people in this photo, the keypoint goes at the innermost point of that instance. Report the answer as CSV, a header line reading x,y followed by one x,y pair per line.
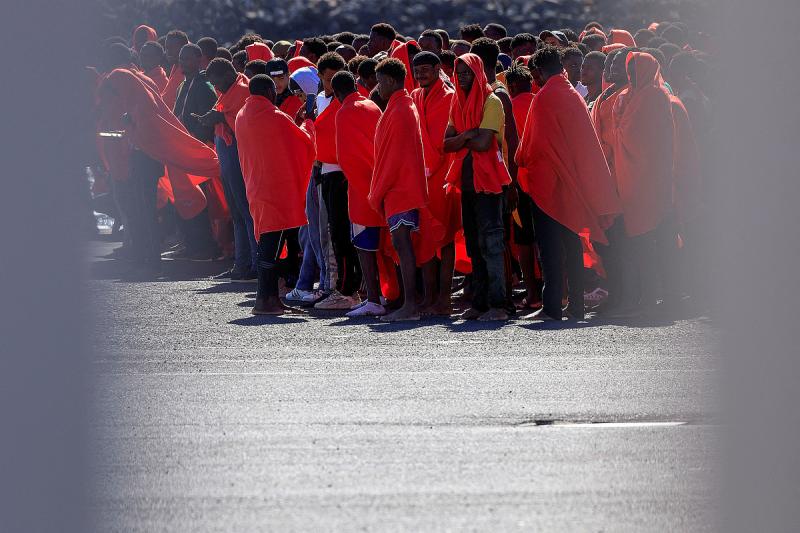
x,y
361,172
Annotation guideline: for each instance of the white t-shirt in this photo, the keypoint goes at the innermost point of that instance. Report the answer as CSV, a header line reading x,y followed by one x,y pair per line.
x,y
322,103
582,90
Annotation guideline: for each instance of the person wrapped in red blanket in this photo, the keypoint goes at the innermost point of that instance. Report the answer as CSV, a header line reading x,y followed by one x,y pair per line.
x,y
276,156
570,184
399,190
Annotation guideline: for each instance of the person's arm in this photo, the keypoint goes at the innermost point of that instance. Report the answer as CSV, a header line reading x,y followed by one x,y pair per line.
x,y
454,141
482,141
212,118
510,133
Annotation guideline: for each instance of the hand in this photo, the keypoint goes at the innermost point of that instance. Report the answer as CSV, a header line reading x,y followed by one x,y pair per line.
x,y
300,117
469,134
209,119
512,198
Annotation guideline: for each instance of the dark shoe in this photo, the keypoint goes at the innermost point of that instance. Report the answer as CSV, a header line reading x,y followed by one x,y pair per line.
x,y
251,276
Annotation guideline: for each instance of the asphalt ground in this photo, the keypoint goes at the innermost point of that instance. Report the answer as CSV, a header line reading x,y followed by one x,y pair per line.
x,y
210,419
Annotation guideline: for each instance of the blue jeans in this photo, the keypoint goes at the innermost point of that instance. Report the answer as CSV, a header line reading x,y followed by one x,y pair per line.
x,y
312,247
244,239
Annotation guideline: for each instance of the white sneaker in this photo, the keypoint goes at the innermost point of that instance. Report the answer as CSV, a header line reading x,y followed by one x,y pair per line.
x,y
367,309
338,301
595,298
301,296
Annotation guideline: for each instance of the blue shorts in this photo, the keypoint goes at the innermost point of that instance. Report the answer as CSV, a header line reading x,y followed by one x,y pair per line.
x,y
365,238
408,218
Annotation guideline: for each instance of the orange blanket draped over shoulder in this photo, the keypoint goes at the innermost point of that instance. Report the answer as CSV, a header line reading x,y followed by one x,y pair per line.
x,y
229,103
356,122
433,107
159,77
276,157
489,172
170,92
643,151
603,120
325,126
398,181
569,178
157,132
520,105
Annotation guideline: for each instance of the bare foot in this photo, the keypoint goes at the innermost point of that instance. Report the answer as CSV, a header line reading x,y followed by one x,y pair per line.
x,y
402,315
493,314
438,309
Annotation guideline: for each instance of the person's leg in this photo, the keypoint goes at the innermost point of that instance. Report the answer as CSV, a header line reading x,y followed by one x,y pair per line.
x,y
479,280
668,263
290,267
339,222
401,240
331,273
444,303
648,271
267,300
145,172
573,264
430,285
612,256
548,239
524,238
242,259
242,207
491,239
369,267
309,239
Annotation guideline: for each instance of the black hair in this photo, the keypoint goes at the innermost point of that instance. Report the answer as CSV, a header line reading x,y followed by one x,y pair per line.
x,y
345,37
326,39
256,66
548,60
367,68
505,45
642,37
261,84
448,58
595,56
224,53
177,35
115,55
208,45
593,24
333,45
660,57
219,66
152,44
497,27
486,49
277,63
384,30
669,50
445,38
316,46
570,35
524,38
246,40
518,73
426,58
194,48
582,47
685,64
330,61
433,35
571,51
343,82
471,32
675,34
354,63
393,68
347,47
239,57
594,41
655,42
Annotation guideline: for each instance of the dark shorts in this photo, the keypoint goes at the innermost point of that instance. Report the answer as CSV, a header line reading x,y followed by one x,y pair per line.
x,y
523,231
408,218
365,238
